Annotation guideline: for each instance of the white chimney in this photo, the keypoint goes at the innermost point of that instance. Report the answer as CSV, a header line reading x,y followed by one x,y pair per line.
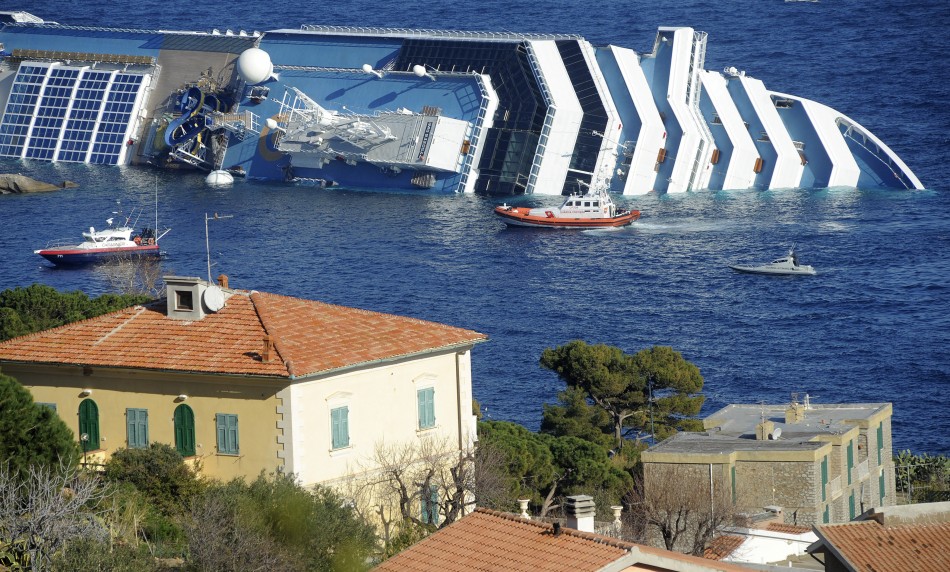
x,y
580,511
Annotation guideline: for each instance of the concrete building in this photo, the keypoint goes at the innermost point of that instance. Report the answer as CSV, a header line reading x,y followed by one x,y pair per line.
x,y
247,381
811,463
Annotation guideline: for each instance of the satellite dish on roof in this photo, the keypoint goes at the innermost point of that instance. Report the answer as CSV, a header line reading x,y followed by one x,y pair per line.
x,y
774,435
213,298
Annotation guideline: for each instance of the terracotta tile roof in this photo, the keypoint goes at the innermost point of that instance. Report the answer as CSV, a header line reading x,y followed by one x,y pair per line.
x,y
871,547
317,337
787,528
497,541
309,337
489,540
722,546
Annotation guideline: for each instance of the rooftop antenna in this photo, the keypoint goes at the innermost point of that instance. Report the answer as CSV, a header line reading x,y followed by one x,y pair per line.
x,y
207,241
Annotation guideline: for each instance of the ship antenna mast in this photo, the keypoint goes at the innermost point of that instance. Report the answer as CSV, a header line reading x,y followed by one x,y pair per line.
x,y
208,242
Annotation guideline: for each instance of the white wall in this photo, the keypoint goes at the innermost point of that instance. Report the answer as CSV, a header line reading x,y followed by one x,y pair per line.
x,y
383,408
566,119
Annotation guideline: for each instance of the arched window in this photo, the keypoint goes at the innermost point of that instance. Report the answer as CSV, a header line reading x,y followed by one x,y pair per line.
x,y
185,430
88,425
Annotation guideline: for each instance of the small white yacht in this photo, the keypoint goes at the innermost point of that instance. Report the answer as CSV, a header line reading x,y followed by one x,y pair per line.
x,y
785,266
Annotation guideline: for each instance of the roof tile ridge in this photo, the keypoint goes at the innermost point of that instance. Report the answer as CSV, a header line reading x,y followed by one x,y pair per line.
x,y
75,323
257,303
597,538
118,327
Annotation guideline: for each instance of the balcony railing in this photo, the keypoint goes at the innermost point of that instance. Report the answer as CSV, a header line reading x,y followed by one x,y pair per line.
x,y
833,489
862,470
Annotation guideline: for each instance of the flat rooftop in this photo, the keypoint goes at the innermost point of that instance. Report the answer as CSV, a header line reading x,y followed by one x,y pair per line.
x,y
717,444
740,420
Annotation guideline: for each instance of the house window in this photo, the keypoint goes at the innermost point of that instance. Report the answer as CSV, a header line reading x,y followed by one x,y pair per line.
x,y
850,459
88,425
824,479
184,300
880,443
50,405
185,430
136,424
426,399
340,427
227,424
430,505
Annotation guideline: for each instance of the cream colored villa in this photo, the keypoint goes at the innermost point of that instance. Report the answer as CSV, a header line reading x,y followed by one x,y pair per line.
x,y
249,381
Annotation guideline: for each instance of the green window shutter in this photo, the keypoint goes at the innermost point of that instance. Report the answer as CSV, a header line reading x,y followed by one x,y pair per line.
x,y
340,427
430,505
227,425
136,421
824,478
426,399
880,442
89,425
850,459
185,430
733,484
851,505
826,517
883,491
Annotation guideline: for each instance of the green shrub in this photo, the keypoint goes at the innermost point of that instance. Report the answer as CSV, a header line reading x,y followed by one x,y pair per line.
x,y
160,473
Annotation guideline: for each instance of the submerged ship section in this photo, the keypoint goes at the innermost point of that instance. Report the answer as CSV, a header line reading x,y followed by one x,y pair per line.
x,y
492,113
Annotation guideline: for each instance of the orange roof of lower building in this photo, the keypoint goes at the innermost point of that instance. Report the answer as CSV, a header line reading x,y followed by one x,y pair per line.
x,y
722,546
869,546
489,540
309,338
503,542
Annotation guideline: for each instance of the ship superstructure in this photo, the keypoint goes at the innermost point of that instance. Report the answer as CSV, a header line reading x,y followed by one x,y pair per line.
x,y
493,113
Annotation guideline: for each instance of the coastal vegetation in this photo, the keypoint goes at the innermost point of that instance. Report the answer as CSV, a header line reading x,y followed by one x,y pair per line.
x,y
38,307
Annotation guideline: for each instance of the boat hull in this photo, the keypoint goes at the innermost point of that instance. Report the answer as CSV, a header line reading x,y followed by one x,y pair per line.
x,y
519,216
86,256
801,271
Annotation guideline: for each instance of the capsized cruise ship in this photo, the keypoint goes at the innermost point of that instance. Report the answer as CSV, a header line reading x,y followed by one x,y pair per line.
x,y
447,111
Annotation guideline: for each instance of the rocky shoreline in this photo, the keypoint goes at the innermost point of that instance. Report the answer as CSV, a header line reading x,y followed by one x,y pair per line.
x,y
17,184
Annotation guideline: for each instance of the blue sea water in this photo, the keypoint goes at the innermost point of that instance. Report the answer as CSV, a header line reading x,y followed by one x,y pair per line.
x,y
872,326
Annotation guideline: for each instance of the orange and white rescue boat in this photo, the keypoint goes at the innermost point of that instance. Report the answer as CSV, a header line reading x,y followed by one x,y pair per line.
x,y
591,210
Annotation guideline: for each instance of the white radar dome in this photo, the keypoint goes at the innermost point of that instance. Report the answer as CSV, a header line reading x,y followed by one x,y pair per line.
x,y
254,65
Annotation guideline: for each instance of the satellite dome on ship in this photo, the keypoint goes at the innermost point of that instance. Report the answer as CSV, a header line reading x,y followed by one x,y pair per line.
x,y
254,66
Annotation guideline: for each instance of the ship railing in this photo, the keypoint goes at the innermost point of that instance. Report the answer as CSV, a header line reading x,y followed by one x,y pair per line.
x,y
427,33
61,242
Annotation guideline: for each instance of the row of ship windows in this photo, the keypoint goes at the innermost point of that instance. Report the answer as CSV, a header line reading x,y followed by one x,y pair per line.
x,y
51,99
14,123
108,155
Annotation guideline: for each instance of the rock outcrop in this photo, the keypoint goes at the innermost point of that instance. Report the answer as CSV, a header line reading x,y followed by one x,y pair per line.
x,y
10,184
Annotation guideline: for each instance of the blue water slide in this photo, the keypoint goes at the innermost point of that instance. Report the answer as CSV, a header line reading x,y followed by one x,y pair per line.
x,y
191,122
193,105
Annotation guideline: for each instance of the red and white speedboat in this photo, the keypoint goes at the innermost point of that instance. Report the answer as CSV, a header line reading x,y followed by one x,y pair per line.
x,y
591,210
103,245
